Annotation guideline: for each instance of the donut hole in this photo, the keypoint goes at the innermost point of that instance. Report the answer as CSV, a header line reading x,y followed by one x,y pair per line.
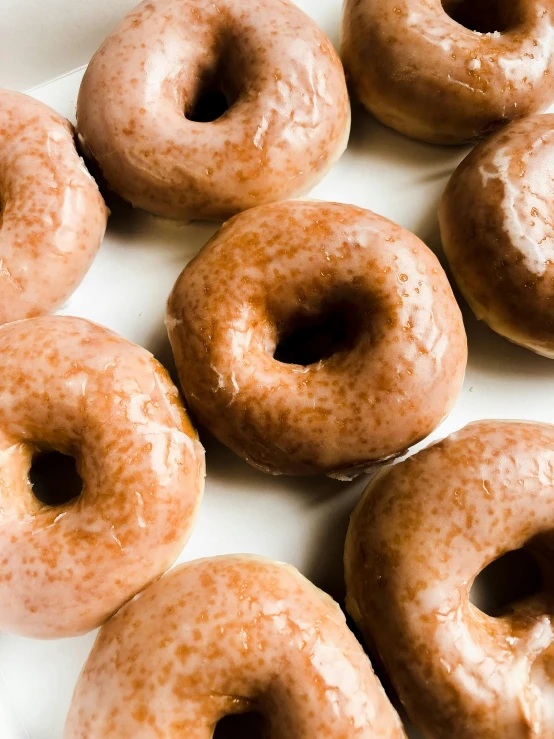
x,y
508,580
484,16
241,725
54,478
307,338
210,105
215,91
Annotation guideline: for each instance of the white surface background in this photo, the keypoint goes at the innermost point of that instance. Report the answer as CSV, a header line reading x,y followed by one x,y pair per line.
x,y
42,39
302,521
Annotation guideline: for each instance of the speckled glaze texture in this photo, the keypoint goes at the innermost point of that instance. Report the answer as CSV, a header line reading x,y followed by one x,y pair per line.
x,y
276,266
423,531
52,216
421,72
75,387
230,635
497,227
288,122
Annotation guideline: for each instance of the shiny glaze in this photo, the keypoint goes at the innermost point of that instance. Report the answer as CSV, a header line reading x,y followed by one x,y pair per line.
x,y
270,267
423,531
230,635
52,216
497,226
422,73
72,386
288,123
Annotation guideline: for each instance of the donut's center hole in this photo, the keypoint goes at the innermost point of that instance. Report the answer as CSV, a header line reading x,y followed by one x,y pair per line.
x,y
55,479
216,89
508,580
210,105
307,339
484,16
241,726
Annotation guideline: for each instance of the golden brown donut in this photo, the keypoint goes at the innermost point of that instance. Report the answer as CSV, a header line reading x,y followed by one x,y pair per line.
x,y
497,227
144,106
422,532
52,216
393,350
74,387
230,635
449,72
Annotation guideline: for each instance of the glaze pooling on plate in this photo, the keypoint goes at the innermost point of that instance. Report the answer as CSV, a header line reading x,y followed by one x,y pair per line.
x,y
497,228
284,117
280,266
423,73
69,385
227,635
52,216
423,531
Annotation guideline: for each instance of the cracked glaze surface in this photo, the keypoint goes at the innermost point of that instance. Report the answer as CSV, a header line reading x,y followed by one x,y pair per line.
x,y
288,123
273,267
497,228
75,387
421,534
426,75
52,216
230,635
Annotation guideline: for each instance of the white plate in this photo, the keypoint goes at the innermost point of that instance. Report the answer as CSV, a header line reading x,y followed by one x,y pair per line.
x,y
302,521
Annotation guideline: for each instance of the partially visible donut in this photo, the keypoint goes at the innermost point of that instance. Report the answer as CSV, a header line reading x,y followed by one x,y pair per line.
x,y
143,109
223,636
74,387
52,216
497,227
452,71
394,346
423,531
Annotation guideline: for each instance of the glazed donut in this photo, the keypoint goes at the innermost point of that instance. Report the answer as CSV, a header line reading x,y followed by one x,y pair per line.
x,y
449,72
230,635
422,532
52,216
496,219
376,293
146,106
74,387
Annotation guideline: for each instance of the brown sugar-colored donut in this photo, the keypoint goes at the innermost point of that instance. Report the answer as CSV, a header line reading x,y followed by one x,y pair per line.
x,y
199,109
70,386
423,531
393,350
52,216
449,72
496,218
229,635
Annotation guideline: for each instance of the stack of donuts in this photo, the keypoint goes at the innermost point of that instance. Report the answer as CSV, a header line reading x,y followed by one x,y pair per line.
x,y
310,338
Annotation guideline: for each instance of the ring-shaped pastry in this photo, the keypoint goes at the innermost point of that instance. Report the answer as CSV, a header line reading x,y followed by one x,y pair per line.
x,y
70,386
497,228
52,216
200,110
452,71
380,345
423,531
230,635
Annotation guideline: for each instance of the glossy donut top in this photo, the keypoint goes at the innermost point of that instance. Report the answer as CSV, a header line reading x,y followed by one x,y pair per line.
x,y
52,216
278,266
426,75
230,635
423,531
497,226
289,118
69,385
